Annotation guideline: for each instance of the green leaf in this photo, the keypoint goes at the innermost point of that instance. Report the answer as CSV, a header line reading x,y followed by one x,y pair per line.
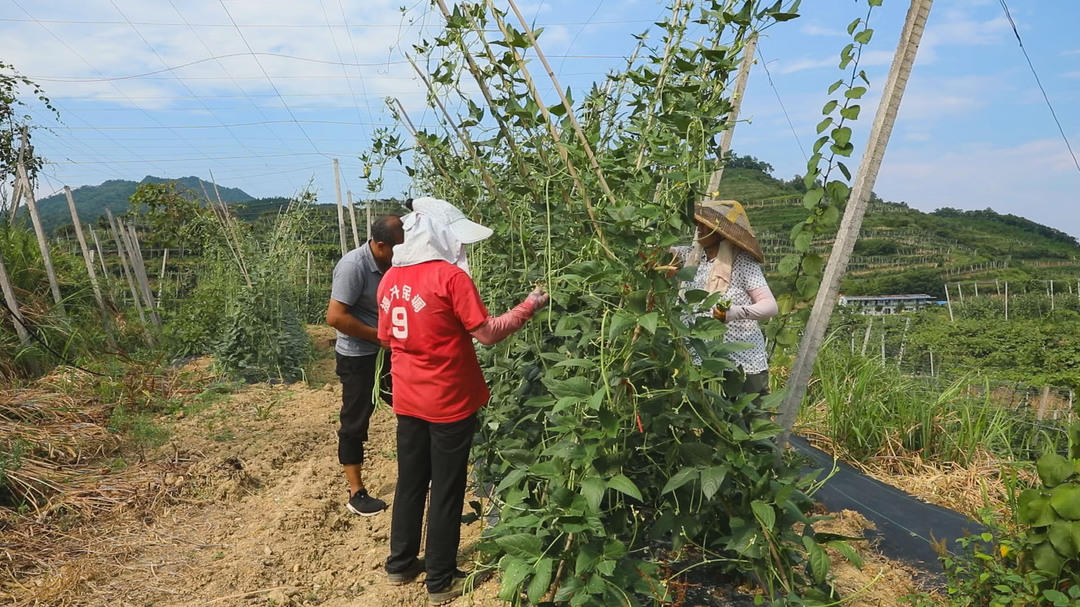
x,y
764,514
851,112
1065,500
510,480
819,559
824,124
1063,536
521,545
1035,508
788,264
514,572
807,286
802,242
1047,559
576,386
711,479
625,486
540,581
812,264
854,24
812,197
1054,469
592,489
829,107
849,553
830,216
679,479
855,92
864,36
648,321
835,85
841,135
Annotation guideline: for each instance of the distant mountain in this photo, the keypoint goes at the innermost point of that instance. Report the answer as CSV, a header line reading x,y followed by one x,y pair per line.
x,y
92,200
904,250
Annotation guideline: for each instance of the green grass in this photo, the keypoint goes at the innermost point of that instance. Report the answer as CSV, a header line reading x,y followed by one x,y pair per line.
x,y
870,409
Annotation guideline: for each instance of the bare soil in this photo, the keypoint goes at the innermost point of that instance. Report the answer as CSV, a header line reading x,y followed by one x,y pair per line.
x,y
245,506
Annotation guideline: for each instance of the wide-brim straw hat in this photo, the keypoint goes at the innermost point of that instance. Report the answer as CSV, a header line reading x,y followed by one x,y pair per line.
x,y
728,219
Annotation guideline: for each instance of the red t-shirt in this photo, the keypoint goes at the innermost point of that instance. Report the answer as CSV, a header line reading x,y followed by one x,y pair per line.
x,y
426,312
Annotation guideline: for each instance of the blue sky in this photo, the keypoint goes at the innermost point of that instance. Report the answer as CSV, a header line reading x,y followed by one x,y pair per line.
x,y
973,130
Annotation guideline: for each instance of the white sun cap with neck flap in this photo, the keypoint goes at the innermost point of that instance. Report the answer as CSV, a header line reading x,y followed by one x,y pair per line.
x,y
434,230
466,231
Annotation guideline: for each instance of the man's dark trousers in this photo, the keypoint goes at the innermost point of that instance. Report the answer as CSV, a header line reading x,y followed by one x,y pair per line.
x,y
439,454
357,375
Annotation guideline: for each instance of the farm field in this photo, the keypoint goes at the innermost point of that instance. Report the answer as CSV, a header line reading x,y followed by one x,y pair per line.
x,y
239,501
169,404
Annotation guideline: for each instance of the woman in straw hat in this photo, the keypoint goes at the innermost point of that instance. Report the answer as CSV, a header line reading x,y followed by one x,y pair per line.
x,y
728,260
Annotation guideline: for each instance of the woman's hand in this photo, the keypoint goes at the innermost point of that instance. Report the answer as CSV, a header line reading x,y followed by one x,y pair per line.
x,y
719,314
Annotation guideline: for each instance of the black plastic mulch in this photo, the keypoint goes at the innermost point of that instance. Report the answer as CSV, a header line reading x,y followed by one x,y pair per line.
x,y
905,525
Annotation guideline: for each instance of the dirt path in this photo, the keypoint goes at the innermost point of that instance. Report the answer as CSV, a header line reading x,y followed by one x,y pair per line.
x,y
259,517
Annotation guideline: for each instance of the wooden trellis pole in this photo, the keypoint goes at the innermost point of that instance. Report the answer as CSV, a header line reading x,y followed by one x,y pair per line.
x,y
814,335
86,256
340,209
43,242
101,260
566,103
736,102
161,275
12,304
352,220
124,267
139,266
552,129
1006,301
948,301
367,218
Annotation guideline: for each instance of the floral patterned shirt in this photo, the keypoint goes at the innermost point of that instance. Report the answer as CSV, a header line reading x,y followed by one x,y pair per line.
x,y
746,275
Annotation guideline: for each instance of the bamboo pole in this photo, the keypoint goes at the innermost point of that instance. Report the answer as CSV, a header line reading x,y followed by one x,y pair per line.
x,y
1051,294
352,220
814,335
340,209
948,301
463,137
43,242
736,103
12,304
481,82
139,265
866,336
661,79
124,267
16,195
960,290
419,140
86,256
1006,301
552,130
230,229
367,218
101,260
566,104
161,275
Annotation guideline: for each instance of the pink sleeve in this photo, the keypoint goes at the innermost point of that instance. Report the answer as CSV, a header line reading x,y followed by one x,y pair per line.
x,y
764,306
493,330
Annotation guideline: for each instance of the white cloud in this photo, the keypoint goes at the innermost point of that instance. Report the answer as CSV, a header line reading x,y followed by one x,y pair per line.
x,y
813,29
980,175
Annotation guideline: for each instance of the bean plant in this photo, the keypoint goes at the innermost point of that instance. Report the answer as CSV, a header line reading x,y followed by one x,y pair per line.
x,y
606,451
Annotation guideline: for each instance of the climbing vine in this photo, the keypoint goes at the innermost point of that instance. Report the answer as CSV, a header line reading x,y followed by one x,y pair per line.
x,y
826,193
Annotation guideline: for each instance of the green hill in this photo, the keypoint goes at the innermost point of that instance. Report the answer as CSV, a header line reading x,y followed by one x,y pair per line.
x,y
92,200
903,250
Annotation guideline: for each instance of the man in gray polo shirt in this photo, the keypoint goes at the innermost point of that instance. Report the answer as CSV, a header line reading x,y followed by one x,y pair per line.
x,y
353,312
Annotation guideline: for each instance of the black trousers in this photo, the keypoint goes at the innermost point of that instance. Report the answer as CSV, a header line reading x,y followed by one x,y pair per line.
x,y
439,454
357,375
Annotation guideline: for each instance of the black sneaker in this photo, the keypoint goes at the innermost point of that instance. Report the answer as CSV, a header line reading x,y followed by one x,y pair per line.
x,y
455,589
363,504
404,577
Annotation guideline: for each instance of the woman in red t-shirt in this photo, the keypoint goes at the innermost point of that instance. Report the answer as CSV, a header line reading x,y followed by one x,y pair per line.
x,y
429,313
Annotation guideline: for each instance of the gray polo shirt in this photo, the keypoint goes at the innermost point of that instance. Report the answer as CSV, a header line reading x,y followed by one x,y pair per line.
x,y
355,283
